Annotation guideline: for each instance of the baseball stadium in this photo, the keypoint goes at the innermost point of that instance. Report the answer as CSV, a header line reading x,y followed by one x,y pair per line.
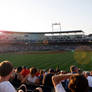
x,y
47,49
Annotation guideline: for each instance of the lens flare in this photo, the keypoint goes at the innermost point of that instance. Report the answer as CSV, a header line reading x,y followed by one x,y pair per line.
x,y
83,55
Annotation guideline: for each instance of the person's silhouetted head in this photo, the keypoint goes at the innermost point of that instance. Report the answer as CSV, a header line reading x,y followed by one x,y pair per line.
x,y
6,68
78,83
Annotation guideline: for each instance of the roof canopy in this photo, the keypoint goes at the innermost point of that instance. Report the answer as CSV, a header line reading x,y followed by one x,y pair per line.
x,y
74,31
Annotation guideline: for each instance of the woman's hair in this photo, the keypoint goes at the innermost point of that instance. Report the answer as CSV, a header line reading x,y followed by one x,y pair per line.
x,y
6,68
33,70
78,83
19,69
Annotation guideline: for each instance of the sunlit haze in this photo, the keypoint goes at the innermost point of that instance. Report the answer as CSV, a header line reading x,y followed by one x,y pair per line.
x,y
38,15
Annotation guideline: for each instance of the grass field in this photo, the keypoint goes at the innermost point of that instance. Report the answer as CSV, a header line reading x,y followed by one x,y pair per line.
x,y
47,60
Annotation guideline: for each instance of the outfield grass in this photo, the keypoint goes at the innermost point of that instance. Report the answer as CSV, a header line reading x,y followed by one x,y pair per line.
x,y
45,61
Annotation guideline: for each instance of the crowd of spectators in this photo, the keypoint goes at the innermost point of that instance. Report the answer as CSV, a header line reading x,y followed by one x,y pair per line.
x,y
28,47
23,79
8,48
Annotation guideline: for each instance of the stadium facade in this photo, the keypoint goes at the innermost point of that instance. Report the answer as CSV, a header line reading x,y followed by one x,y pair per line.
x,y
36,41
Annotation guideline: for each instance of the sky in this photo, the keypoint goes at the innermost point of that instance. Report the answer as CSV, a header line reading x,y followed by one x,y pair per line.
x,y
39,15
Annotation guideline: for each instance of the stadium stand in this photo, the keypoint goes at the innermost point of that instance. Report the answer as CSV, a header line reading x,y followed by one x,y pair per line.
x,y
42,41
31,78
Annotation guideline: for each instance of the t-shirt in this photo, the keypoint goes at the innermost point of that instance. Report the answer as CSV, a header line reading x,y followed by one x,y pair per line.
x,y
6,86
25,72
59,88
89,78
32,79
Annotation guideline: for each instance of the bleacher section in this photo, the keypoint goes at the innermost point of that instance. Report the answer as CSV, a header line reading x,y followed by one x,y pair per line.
x,y
43,41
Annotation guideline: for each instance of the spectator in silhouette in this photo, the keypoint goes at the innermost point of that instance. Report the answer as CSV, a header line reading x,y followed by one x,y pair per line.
x,y
74,69
31,79
18,77
25,71
77,83
47,81
6,70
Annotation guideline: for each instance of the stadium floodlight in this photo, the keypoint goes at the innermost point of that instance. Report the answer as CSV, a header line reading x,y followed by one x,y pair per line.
x,y
56,24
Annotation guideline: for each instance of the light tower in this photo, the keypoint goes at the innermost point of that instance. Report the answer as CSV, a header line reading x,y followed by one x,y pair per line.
x,y
57,25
